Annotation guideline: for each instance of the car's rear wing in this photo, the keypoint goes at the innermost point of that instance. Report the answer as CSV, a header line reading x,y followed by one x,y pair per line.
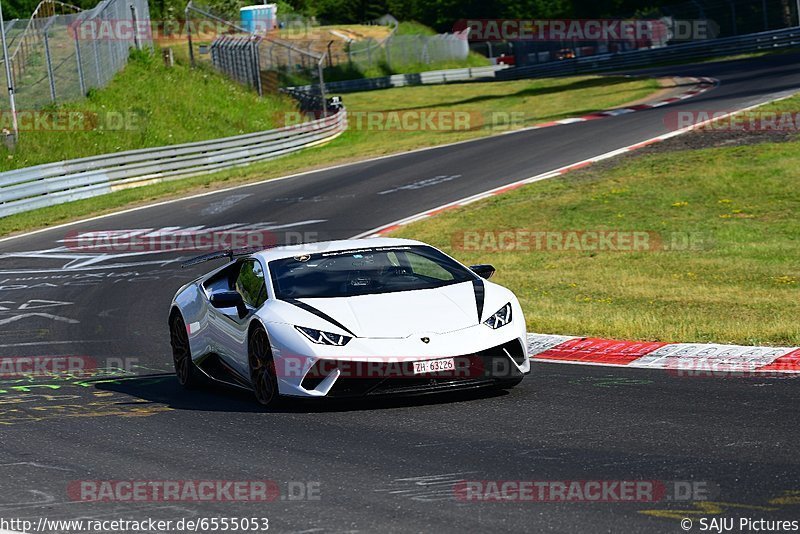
x,y
219,254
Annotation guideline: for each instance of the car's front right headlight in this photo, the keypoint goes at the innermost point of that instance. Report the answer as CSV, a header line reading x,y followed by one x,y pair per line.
x,y
500,318
323,338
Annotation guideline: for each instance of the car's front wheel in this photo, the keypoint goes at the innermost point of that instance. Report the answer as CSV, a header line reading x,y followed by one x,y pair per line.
x,y
188,375
262,367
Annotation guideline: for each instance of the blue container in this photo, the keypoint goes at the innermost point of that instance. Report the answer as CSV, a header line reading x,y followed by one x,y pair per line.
x,y
259,19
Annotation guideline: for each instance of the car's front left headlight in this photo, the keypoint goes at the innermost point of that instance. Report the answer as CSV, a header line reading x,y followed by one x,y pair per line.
x,y
323,338
500,318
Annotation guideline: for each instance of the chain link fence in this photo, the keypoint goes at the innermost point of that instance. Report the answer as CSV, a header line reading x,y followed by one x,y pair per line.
x,y
238,57
262,63
63,52
392,52
397,51
209,30
267,62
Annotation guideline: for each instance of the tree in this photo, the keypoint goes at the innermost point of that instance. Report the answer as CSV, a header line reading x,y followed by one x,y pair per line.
x,y
19,9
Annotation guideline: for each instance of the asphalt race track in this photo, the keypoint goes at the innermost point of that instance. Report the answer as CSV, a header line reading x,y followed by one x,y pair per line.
x,y
391,465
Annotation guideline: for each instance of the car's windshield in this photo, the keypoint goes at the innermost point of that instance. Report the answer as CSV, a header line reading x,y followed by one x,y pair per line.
x,y
365,271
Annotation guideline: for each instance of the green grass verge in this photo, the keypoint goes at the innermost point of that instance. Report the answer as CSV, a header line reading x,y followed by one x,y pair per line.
x,y
540,100
411,27
737,284
148,105
487,104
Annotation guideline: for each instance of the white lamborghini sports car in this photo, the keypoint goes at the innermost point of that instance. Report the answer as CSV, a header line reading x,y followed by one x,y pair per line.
x,y
347,318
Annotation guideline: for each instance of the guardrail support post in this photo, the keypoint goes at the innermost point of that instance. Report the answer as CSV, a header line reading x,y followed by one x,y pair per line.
x,y
322,87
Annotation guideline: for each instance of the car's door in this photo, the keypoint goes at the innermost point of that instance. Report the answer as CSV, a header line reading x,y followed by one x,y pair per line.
x,y
233,326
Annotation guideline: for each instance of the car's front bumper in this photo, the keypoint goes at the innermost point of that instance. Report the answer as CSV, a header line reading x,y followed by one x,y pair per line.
x,y
369,366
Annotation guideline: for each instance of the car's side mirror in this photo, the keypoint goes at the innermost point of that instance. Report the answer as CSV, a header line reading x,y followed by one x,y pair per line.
x,y
226,299
484,271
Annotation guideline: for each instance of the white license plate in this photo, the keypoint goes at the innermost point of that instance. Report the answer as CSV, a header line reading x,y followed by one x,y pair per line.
x,y
434,366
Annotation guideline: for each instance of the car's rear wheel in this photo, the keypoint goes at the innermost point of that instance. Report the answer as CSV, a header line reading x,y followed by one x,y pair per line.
x,y
262,367
188,375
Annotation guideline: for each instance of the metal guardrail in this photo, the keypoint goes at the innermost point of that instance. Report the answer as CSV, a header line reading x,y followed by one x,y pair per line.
x,y
403,80
310,102
55,183
757,42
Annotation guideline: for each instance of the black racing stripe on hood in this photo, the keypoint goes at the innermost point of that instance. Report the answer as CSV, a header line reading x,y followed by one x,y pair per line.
x,y
311,309
480,292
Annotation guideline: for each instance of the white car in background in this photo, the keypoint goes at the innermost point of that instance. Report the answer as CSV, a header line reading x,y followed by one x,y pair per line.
x,y
347,318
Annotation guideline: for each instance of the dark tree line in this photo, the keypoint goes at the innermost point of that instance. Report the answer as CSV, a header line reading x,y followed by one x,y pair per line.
x,y
440,14
437,13
22,9
733,16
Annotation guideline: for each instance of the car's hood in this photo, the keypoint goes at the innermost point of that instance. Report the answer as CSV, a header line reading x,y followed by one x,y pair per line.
x,y
405,313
